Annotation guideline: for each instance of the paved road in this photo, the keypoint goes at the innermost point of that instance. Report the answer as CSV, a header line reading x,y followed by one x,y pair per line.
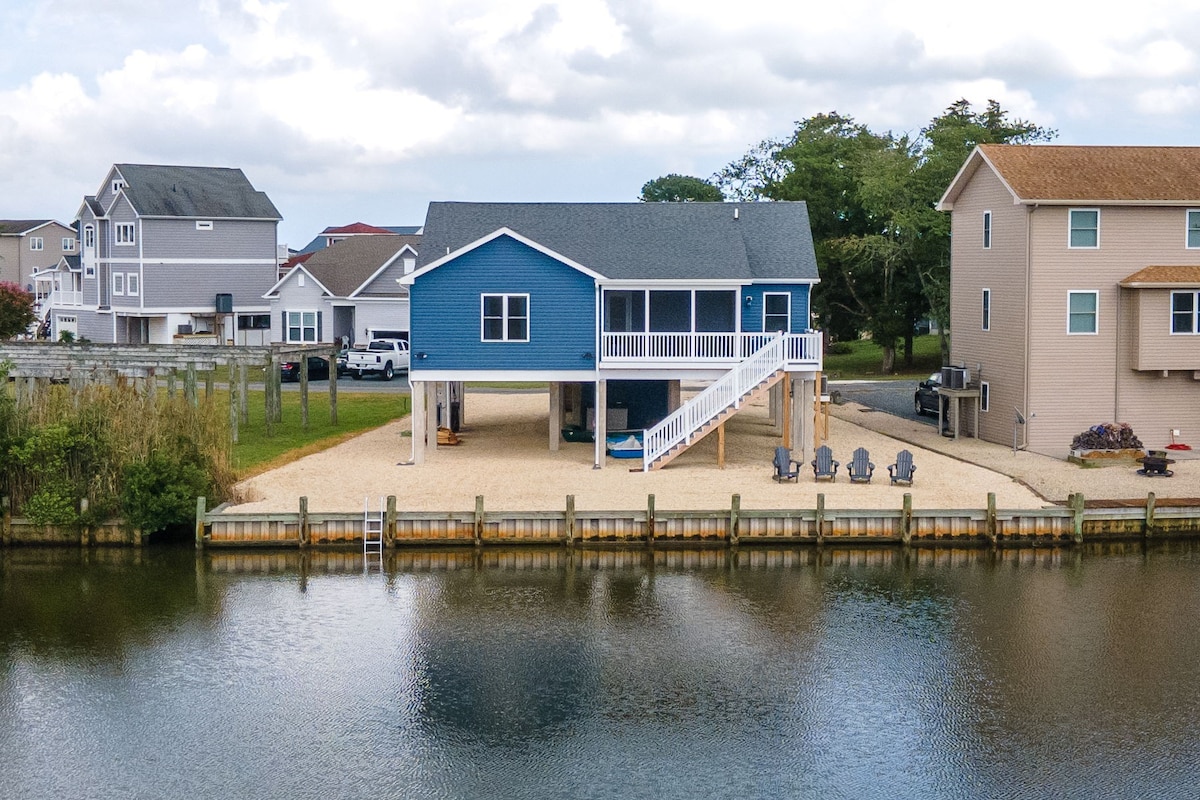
x,y
892,397
397,385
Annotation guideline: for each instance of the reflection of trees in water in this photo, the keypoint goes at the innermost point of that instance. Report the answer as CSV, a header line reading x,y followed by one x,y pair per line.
x,y
67,602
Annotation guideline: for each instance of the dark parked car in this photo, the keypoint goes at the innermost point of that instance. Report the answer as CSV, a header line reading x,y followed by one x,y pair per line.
x,y
926,400
318,369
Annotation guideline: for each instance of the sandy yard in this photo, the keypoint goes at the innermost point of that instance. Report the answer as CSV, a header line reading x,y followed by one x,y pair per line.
x,y
504,457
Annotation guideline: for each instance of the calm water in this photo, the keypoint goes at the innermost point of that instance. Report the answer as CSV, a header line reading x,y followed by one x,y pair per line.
x,y
531,674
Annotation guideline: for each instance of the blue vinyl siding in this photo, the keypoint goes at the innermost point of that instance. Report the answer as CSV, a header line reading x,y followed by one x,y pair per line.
x,y
752,312
446,311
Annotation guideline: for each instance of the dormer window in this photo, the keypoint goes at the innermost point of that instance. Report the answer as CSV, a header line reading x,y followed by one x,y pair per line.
x,y
118,184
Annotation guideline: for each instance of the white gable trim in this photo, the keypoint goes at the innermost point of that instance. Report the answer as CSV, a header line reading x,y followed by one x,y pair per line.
x,y
274,290
964,175
408,279
382,268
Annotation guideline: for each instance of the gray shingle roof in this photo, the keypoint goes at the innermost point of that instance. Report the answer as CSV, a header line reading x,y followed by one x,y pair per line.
x,y
219,192
341,268
16,227
643,241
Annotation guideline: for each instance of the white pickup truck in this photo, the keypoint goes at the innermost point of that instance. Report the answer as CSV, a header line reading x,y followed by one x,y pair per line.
x,y
384,357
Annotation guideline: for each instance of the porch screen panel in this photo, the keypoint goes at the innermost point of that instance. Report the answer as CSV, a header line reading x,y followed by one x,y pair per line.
x,y
716,312
624,311
671,312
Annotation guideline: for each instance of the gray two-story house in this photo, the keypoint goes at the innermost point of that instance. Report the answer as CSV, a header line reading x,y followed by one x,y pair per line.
x,y
170,254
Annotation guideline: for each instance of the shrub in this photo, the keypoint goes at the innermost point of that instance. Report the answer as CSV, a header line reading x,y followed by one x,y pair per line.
x,y
839,349
161,491
16,310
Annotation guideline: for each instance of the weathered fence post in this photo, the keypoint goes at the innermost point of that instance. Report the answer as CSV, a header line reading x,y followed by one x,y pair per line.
x,y
1076,502
1150,501
389,524
735,507
201,511
189,385
569,520
333,389
233,406
478,520
906,520
820,518
990,525
650,522
304,390
304,522
243,393
5,521
171,383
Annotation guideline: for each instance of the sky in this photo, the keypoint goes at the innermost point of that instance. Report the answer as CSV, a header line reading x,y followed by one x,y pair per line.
x,y
366,110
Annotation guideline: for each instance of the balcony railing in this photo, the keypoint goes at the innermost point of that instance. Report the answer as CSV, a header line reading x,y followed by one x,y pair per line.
x,y
703,348
63,297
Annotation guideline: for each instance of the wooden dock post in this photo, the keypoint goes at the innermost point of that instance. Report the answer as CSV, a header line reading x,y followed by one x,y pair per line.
x,y
233,409
650,519
820,519
303,522
5,521
735,507
569,520
478,520
990,525
1150,501
304,390
1076,503
333,389
243,393
389,522
906,520
201,511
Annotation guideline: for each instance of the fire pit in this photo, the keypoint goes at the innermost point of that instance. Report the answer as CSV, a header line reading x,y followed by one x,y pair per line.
x,y
1155,462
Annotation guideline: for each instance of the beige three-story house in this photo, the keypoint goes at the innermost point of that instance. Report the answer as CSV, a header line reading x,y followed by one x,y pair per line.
x,y
1075,290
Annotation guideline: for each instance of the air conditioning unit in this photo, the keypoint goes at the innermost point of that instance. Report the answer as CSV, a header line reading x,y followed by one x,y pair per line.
x,y
955,377
185,330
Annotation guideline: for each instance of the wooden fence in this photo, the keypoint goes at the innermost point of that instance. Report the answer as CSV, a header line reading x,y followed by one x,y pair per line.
x,y
1074,523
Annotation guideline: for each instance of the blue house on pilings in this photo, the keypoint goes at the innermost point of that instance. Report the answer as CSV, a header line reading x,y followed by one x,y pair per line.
x,y
613,305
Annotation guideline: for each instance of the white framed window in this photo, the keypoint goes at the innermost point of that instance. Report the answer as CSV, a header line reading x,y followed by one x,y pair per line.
x,y
985,395
777,312
987,230
118,286
504,317
68,244
117,185
1083,228
302,326
204,225
1083,312
987,309
89,235
36,243
132,284
124,233
1185,312
1193,229
89,270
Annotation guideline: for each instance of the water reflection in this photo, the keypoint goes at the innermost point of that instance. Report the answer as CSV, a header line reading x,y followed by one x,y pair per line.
x,y
540,673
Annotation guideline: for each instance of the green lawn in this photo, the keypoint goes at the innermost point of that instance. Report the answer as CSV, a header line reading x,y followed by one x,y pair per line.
x,y
256,452
864,360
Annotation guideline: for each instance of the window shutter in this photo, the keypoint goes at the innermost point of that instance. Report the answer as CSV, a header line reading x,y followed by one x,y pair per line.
x,y
320,330
284,331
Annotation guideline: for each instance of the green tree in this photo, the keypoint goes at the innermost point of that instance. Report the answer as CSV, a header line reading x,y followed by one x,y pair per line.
x,y
882,247
680,189
16,310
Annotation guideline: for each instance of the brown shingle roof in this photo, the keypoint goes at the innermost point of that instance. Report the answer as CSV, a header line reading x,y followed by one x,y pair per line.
x,y
342,267
1152,277
1098,174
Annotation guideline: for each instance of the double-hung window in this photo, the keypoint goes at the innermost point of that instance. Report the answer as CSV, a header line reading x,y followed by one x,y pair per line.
x,y
124,233
132,284
118,283
302,326
1185,309
987,309
1084,228
1082,311
1193,229
505,317
89,236
777,312
987,230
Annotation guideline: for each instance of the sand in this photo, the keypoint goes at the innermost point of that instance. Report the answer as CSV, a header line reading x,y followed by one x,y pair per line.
x,y
504,457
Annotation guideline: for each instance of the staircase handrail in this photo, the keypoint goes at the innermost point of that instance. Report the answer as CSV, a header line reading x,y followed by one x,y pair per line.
x,y
726,392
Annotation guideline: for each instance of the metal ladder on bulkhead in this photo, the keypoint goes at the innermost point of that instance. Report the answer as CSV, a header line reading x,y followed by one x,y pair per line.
x,y
373,527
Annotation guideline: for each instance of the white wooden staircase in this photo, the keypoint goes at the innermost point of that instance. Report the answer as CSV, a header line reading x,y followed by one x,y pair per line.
x,y
705,412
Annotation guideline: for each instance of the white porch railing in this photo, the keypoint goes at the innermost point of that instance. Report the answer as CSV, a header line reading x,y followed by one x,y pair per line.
x,y
65,297
728,392
713,348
